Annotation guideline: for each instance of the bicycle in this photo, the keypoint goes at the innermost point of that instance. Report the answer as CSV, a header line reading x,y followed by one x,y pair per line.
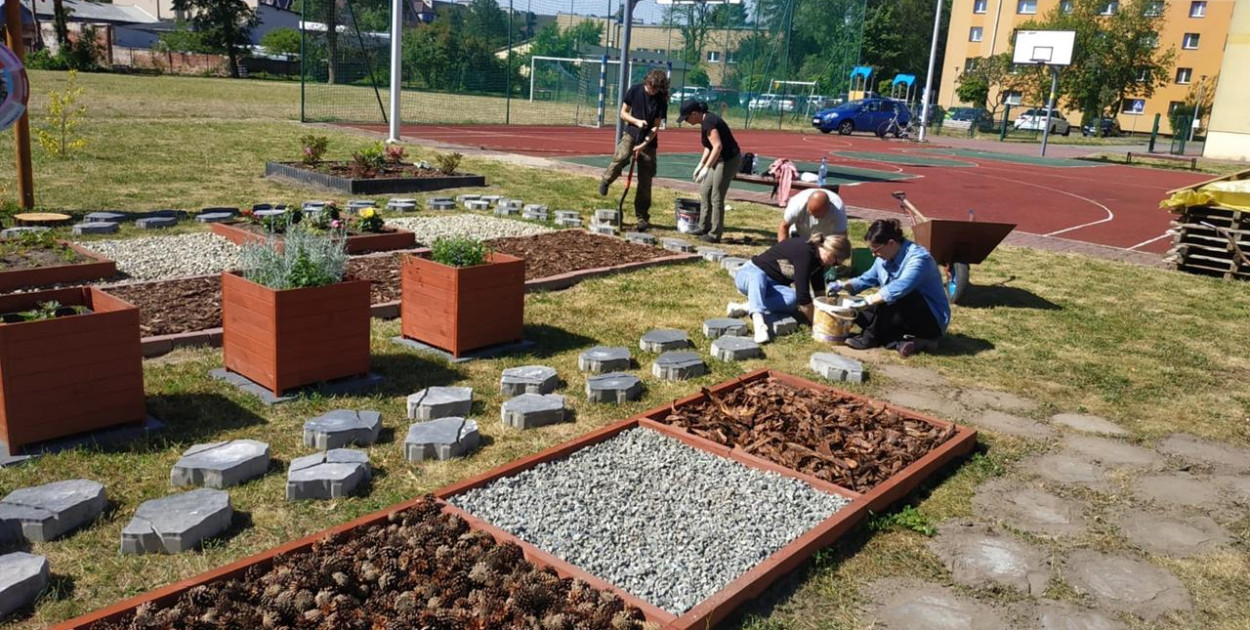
x,y
909,131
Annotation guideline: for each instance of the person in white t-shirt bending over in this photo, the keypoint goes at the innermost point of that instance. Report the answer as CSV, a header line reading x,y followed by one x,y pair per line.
x,y
813,211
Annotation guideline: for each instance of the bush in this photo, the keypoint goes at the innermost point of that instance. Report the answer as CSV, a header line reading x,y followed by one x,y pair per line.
x,y
304,259
283,40
448,162
313,148
370,220
459,251
367,162
394,154
58,134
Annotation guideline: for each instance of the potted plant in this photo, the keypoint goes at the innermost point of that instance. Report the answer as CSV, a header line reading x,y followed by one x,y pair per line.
x,y
290,317
70,361
460,296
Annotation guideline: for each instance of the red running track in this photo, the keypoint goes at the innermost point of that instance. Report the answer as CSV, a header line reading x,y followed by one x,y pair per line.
x,y
1108,205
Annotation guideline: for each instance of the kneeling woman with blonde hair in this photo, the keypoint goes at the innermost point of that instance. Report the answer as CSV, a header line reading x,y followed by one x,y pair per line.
x,y
767,280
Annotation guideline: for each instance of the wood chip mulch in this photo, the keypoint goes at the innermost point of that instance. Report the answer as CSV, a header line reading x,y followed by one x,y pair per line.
x,y
564,251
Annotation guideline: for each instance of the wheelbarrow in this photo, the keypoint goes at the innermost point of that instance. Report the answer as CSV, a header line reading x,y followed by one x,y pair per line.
x,y
955,245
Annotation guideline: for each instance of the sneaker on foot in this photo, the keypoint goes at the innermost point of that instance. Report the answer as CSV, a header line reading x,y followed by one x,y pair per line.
x,y
603,189
859,342
709,238
697,233
643,225
911,347
761,328
735,309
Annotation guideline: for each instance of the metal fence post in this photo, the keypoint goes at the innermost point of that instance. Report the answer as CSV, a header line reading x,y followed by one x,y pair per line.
x,y
1154,133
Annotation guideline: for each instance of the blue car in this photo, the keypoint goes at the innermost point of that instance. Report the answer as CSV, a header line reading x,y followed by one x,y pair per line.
x,y
866,115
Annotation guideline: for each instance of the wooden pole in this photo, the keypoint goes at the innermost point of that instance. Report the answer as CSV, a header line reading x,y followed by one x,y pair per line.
x,y
21,131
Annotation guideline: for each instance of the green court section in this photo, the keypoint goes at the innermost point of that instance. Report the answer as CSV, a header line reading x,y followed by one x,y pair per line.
x,y
1017,159
904,159
681,166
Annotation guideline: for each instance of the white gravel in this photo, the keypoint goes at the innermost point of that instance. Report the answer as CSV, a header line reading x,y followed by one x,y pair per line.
x,y
665,521
473,225
164,257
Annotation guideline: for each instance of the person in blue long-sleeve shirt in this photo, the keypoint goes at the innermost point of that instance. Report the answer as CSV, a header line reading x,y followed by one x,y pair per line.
x,y
910,311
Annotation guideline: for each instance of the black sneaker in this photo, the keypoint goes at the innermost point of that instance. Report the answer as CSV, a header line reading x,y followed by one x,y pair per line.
x,y
859,342
643,225
603,189
708,238
697,233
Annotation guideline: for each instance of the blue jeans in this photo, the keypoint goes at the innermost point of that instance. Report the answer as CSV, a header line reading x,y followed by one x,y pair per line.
x,y
765,295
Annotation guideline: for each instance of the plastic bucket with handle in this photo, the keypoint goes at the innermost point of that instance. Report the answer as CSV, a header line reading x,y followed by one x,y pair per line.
x,y
832,320
687,215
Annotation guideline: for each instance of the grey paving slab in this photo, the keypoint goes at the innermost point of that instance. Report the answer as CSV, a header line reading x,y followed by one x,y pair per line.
x,y
924,399
50,511
178,522
641,238
677,245
782,326
711,254
569,223
23,577
613,387
1011,424
433,403
1236,486
535,216
357,204
106,217
837,368
1126,584
678,366
505,211
489,352
340,387
731,265
332,474
518,204
1022,506
528,379
154,223
603,359
1177,536
905,604
980,556
559,214
476,204
605,215
604,229
214,217
732,348
441,439
467,197
1002,401
220,464
15,232
342,427
96,228
530,411
1055,615
911,375
491,199
1113,453
1069,468
1087,423
663,340
1221,457
442,205
1179,488
722,326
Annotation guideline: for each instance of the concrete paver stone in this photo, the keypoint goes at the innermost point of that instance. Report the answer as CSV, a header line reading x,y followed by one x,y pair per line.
x,y
530,411
1063,616
1001,401
220,464
1237,486
1219,456
912,375
1178,489
914,605
613,387
528,379
837,368
978,556
331,474
1017,426
1125,584
433,403
49,511
1113,453
1069,468
441,439
663,340
924,399
730,348
678,366
603,359
722,326
1175,536
178,522
1031,509
23,577
711,254
1087,423
96,228
342,427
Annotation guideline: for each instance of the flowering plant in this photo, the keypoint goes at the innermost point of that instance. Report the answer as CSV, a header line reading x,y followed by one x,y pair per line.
x,y
369,220
394,154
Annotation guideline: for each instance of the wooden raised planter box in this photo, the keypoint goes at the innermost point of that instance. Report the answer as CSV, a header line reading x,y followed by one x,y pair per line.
x,y
287,339
376,186
461,309
704,615
98,267
68,375
392,239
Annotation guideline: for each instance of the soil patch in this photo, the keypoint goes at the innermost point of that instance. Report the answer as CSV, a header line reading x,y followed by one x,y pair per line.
x,y
390,171
565,251
831,436
14,255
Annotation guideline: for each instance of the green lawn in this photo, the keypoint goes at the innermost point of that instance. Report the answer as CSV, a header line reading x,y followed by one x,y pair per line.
x,y
1156,352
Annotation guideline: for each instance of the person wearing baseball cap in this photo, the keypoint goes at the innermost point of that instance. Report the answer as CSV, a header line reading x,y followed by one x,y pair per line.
x,y
719,163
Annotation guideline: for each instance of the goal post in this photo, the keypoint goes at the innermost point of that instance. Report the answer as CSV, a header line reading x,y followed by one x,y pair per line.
x,y
806,88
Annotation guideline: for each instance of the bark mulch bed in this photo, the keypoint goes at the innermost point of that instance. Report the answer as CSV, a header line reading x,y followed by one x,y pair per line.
x,y
830,436
423,569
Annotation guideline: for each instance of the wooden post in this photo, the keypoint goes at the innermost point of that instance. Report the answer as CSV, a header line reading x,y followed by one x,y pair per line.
x,y
21,131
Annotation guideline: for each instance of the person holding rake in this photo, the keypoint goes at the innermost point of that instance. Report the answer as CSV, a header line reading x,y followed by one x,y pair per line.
x,y
643,107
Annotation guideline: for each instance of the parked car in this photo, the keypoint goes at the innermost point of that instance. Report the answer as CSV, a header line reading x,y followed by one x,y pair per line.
x,y
970,117
763,101
786,103
1103,128
1035,120
681,94
863,115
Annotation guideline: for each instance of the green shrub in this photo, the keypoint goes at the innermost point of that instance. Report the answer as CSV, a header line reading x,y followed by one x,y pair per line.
x,y
459,251
313,148
448,162
367,162
306,259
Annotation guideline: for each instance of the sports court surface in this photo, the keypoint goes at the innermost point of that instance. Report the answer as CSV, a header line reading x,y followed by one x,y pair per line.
x,y
1104,204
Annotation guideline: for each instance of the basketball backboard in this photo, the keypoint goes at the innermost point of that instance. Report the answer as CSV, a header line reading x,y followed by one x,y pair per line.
x,y
1052,48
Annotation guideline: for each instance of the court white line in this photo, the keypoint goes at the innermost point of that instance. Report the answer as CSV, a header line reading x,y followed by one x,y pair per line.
x,y
1157,238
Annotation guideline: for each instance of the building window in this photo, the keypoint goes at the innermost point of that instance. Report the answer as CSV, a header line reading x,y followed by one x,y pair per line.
x,y
1135,106
979,6
1026,7
1110,8
730,57
1154,8
713,56
1150,40
1190,42
1197,9
1143,75
1184,75
970,64
1012,97
1065,7
1172,106
974,35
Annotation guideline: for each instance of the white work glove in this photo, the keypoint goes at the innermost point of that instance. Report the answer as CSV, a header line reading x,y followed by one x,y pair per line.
x,y
875,298
834,287
700,174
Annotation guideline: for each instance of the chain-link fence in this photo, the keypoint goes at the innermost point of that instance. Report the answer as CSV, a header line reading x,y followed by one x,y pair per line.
x,y
761,63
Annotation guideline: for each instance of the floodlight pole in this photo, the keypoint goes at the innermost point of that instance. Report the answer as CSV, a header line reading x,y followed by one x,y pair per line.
x,y
622,81
1050,106
928,79
397,47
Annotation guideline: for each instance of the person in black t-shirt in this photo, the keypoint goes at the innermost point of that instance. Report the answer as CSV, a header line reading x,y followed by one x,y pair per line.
x,y
717,167
782,280
642,108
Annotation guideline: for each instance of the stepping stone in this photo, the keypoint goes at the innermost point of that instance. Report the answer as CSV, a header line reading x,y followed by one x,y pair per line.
x,y
733,265
663,340
603,359
529,379
530,411
15,232
534,216
837,368
341,427
604,229
1014,425
469,197
1002,401
491,199
640,238
23,578
924,399
677,245
222,217
506,212
333,474
220,464
441,439
106,217
909,375
1125,584
1237,486
517,204
678,366
784,326
560,214
155,223
177,523
476,204
1028,508
47,512
1086,423
1177,537
569,223
1113,453
442,204
96,228
1060,616
1069,468
913,605
613,387
605,215
721,326
1219,456
979,556
402,204
732,348
358,204
314,205
711,254
1178,489
440,402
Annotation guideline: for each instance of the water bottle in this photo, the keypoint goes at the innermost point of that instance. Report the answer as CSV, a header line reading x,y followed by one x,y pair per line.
x,y
824,170
972,216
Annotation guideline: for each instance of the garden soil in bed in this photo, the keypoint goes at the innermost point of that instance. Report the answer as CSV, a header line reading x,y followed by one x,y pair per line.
x,y
390,171
566,251
14,257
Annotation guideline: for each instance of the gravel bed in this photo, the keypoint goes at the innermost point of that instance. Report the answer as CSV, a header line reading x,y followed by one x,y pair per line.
x,y
662,520
164,257
474,225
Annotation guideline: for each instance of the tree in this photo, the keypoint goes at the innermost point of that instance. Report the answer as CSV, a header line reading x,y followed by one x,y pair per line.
x,y
60,23
225,25
484,19
327,13
281,41
989,76
698,76
181,39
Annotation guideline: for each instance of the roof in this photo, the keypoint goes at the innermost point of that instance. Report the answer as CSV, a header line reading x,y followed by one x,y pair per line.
x,y
82,11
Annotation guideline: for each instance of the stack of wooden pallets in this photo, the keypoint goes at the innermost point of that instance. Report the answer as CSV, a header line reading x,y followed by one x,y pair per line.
x,y
1210,239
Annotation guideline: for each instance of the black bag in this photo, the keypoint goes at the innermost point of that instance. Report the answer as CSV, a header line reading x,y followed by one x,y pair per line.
x,y
748,164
